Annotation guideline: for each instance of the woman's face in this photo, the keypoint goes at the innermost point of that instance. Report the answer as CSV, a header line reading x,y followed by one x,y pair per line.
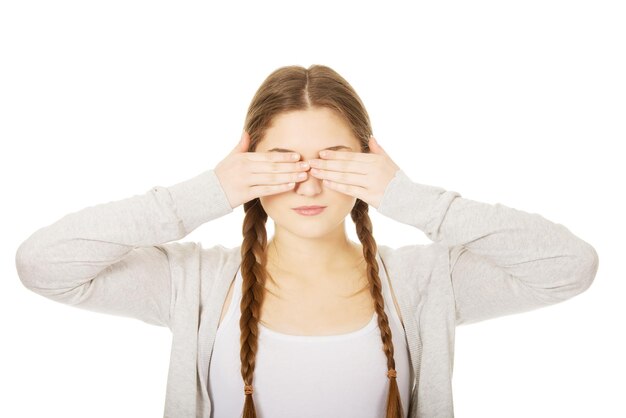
x,y
307,132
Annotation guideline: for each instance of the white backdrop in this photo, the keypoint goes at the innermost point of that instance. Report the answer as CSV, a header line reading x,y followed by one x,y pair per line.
x,y
520,103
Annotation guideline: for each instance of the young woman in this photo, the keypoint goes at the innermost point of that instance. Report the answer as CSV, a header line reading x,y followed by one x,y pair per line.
x,y
309,324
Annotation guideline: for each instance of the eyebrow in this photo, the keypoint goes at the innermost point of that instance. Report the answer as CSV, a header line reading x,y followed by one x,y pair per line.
x,y
333,148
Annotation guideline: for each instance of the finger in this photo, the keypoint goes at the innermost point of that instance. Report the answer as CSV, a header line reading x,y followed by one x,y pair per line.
x,y
347,155
260,179
346,166
242,145
264,167
272,156
359,180
348,189
266,190
375,146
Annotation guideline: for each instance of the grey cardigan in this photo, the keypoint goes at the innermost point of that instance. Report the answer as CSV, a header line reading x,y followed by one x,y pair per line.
x,y
486,260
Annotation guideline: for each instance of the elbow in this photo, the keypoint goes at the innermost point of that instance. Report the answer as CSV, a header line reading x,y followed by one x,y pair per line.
x,y
23,264
26,264
44,273
564,280
588,268
34,273
582,272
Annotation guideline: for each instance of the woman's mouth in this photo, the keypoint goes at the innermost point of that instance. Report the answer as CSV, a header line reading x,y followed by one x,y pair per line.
x,y
309,210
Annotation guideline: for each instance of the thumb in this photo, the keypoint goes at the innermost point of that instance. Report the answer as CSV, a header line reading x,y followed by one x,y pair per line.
x,y
243,144
375,147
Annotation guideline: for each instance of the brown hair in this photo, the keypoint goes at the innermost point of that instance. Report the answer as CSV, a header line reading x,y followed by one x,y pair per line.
x,y
287,89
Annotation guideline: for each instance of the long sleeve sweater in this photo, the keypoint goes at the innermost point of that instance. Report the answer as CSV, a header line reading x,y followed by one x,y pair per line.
x,y
485,260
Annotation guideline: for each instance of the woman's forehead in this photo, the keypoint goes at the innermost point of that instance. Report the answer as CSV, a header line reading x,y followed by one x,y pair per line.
x,y
309,131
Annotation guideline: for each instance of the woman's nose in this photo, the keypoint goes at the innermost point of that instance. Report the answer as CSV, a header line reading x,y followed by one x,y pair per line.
x,y
310,183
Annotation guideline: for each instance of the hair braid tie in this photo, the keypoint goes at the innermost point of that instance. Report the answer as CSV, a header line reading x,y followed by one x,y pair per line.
x,y
391,373
247,389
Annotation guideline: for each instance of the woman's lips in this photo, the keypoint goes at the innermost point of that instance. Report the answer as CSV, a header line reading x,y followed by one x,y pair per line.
x,y
309,210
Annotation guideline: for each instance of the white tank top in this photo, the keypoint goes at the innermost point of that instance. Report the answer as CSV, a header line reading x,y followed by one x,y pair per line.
x,y
309,376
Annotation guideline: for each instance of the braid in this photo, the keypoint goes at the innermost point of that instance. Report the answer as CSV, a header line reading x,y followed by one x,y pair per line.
x,y
253,260
296,88
363,224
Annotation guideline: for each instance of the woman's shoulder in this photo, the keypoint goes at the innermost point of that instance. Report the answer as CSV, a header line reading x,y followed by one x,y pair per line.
x,y
219,254
413,254
409,263
189,253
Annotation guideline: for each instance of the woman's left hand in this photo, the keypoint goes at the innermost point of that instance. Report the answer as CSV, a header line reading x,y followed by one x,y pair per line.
x,y
358,174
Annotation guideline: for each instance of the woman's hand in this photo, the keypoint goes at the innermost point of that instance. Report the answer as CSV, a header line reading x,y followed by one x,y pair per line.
x,y
247,175
361,175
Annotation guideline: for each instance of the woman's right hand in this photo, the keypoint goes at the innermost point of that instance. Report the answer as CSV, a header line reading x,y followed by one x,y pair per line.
x,y
247,175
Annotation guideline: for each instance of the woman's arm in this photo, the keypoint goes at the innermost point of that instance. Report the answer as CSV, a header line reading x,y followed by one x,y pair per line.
x,y
113,257
502,260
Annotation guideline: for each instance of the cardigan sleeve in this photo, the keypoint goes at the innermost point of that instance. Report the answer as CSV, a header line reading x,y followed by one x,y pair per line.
x,y
113,257
502,260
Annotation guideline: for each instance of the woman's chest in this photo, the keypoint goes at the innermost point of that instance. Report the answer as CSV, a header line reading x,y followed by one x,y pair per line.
x,y
315,310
